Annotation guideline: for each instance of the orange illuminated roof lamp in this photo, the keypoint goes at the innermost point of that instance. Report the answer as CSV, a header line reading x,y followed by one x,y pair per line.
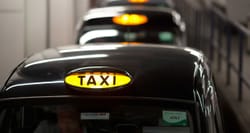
x,y
131,43
130,19
138,1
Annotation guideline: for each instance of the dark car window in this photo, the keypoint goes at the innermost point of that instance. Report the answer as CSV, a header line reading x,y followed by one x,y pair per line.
x,y
143,36
95,119
165,35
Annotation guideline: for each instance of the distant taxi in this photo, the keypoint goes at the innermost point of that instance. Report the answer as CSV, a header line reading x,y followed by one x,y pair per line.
x,y
111,88
132,24
155,3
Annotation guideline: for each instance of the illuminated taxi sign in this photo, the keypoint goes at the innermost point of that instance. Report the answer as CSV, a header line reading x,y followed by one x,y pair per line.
x,y
97,79
137,1
130,19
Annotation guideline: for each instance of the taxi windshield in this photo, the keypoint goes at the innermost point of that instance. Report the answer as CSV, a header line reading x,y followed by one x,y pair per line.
x,y
143,36
95,118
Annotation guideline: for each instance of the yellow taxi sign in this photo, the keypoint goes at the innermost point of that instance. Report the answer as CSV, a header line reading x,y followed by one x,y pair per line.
x,y
130,19
138,1
97,80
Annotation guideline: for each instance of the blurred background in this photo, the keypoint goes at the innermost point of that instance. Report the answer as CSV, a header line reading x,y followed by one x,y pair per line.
x,y
218,27
29,26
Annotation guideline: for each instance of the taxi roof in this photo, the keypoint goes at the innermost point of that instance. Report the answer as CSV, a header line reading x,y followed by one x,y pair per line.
x,y
157,70
165,3
108,12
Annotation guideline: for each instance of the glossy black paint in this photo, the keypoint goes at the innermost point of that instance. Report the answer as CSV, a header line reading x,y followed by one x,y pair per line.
x,y
157,71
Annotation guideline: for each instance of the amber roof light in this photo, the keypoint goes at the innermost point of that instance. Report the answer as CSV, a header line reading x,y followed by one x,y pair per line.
x,y
138,1
130,19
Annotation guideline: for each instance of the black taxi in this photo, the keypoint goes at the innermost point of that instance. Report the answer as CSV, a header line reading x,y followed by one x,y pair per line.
x,y
111,88
155,3
136,24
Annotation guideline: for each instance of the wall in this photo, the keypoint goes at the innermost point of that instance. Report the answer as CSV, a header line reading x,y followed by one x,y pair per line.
x,y
238,10
35,25
61,22
12,39
29,26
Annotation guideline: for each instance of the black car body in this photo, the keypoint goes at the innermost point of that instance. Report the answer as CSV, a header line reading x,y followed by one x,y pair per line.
x,y
155,3
155,25
118,88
